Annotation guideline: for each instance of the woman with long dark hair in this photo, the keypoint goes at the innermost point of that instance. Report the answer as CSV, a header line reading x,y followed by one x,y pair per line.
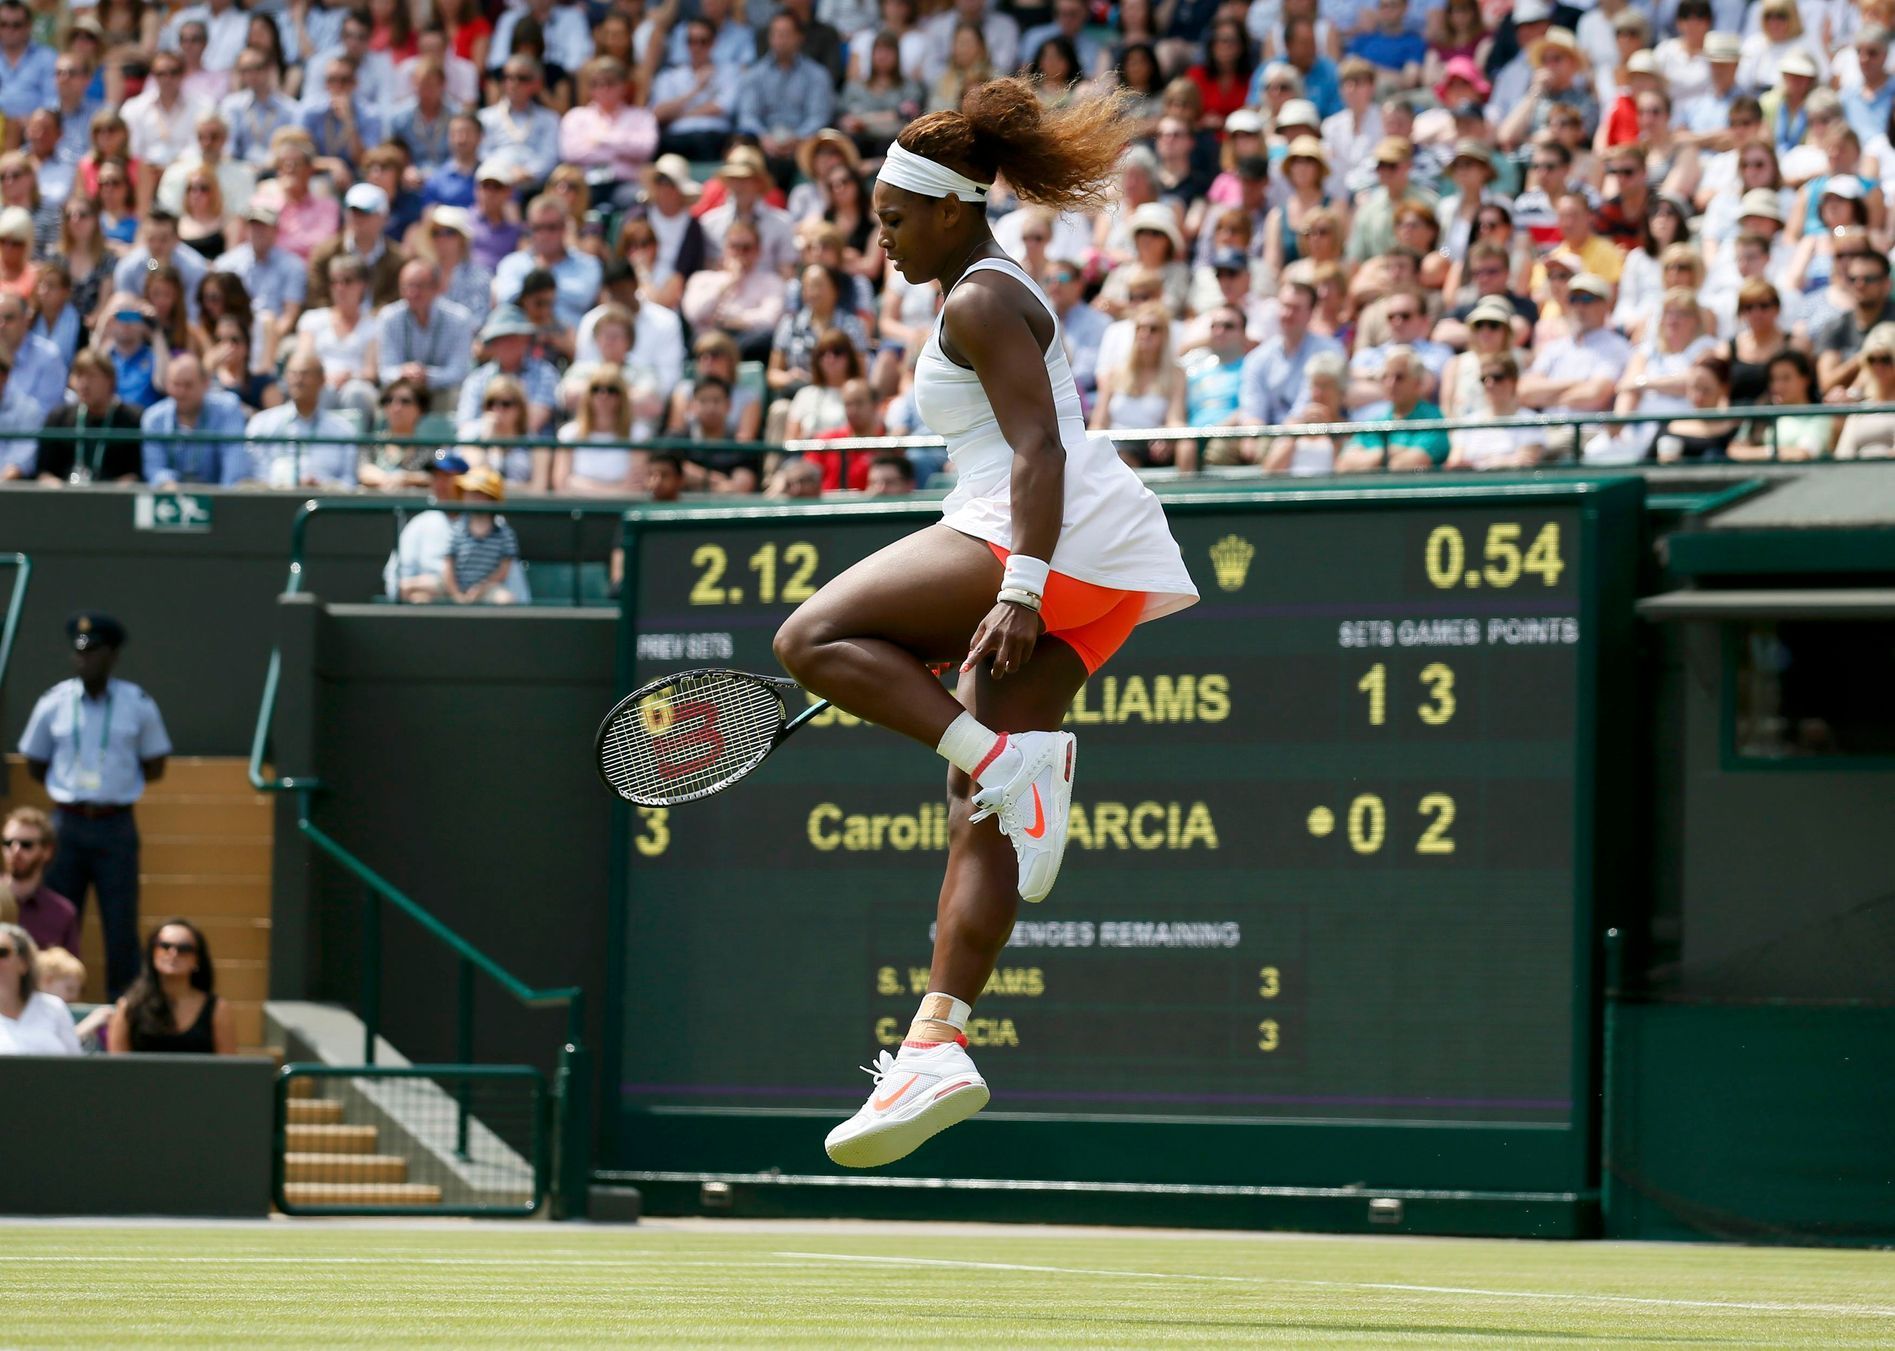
x,y
1223,77
1050,552
174,1006
1800,436
1055,66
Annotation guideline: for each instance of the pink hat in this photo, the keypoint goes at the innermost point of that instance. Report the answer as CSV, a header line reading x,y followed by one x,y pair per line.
x,y
1462,68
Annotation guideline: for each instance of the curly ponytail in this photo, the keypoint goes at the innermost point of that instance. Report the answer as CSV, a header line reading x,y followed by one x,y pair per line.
x,y
1062,158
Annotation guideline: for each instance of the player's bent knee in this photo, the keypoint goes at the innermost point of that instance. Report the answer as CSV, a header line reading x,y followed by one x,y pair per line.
x,y
793,644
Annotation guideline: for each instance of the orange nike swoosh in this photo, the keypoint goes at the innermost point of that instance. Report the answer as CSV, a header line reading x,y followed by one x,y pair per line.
x,y
882,1104
1038,828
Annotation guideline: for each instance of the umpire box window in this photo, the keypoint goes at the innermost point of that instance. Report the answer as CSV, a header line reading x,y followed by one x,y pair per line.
x,y
1810,690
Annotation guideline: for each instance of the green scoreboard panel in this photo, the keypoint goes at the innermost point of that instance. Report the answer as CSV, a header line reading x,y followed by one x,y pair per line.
x,y
1326,913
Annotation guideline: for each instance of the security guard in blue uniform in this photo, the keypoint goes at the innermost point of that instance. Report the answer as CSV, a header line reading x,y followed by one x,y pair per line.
x,y
95,742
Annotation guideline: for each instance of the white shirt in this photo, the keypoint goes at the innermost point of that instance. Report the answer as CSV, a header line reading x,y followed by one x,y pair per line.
x,y
1001,32
44,1027
423,544
225,34
1688,76
1115,344
1348,144
657,342
1072,236
162,135
339,355
568,37
235,179
1600,354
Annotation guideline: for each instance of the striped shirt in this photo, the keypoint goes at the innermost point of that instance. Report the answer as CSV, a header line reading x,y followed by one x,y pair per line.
x,y
476,557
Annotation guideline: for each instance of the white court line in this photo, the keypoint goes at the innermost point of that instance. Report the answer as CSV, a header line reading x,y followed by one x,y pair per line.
x,y
1738,1306
537,1260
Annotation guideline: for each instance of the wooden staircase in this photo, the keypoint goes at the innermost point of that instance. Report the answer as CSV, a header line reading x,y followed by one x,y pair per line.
x,y
329,1162
206,839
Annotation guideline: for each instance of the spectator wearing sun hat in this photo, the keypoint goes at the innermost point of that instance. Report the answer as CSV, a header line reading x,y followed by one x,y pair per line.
x,y
1779,35
1580,372
683,247
506,340
497,224
1471,170
745,184
450,244
1158,244
1559,78
413,570
482,547
1373,233
1707,117
277,280
1531,20
364,234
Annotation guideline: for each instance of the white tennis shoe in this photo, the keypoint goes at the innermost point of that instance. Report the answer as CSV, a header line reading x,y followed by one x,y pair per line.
x,y
1033,805
917,1094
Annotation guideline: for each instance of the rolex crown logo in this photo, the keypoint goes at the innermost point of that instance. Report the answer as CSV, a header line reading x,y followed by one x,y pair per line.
x,y
1230,558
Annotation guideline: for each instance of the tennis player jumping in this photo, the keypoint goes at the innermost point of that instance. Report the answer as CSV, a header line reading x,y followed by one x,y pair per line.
x,y
1050,550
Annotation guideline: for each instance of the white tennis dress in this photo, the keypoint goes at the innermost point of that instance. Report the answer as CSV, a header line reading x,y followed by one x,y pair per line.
x,y
1113,530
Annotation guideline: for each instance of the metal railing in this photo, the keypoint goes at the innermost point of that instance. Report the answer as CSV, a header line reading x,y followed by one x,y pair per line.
x,y
1575,423
448,1140
16,603
572,1079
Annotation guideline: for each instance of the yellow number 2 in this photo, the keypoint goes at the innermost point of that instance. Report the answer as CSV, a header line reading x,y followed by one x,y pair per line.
x,y
713,560
1434,840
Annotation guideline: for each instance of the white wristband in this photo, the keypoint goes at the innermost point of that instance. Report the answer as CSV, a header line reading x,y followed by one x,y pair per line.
x,y
1025,574
1013,596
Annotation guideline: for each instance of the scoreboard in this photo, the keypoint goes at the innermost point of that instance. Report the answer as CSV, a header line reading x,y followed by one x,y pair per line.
x,y
1326,914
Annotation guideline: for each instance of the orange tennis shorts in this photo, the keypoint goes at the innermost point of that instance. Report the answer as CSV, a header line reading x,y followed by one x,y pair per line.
x,y
1092,620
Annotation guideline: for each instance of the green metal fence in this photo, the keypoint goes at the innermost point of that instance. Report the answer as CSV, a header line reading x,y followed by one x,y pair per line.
x,y
22,567
411,1140
1567,428
571,1111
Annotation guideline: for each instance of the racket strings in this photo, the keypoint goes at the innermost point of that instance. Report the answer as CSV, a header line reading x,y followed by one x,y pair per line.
x,y
690,737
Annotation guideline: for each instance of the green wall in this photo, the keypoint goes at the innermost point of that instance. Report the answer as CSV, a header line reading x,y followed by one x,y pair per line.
x,y
455,749
1761,1123
139,1135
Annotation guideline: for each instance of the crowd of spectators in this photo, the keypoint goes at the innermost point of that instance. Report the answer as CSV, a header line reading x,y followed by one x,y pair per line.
x,y
466,221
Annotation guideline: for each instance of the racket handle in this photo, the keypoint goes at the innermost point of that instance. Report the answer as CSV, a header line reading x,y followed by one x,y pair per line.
x,y
819,706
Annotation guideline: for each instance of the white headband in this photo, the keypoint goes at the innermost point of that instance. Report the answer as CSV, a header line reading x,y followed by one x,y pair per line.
x,y
918,173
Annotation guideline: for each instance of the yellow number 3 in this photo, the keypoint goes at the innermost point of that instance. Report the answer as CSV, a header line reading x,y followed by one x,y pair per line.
x,y
656,836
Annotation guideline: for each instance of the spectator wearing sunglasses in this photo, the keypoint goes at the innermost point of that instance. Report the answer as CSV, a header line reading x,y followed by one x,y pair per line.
x,y
28,840
32,1021
26,67
173,1006
1864,436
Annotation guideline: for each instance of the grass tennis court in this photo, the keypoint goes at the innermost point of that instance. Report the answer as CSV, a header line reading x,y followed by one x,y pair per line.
x,y
682,1283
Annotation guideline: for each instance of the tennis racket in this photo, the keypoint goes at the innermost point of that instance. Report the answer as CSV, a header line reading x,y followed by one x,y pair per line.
x,y
686,736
